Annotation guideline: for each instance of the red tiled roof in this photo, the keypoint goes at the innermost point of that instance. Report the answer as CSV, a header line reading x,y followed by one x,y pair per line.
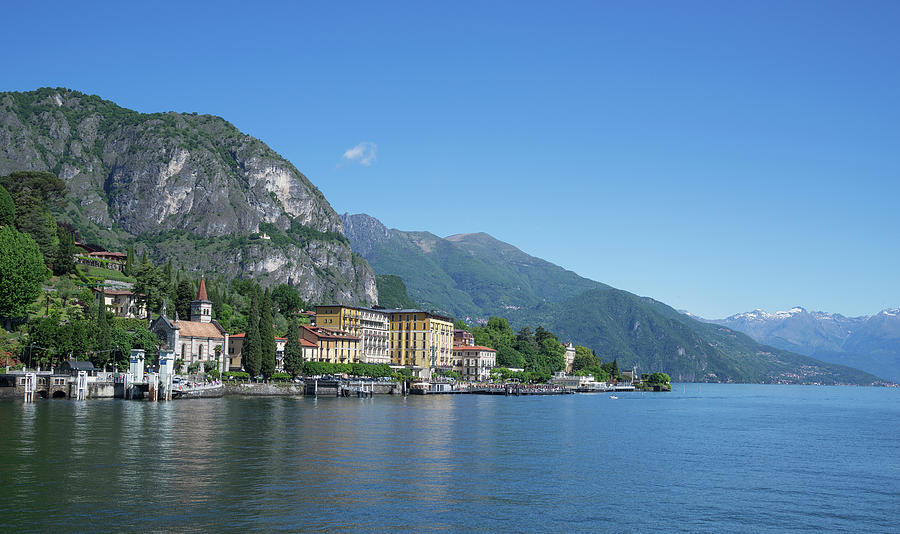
x,y
473,347
113,292
198,329
201,293
324,333
108,254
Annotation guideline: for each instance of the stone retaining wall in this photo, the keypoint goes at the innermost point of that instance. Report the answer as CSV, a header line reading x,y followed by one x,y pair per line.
x,y
263,390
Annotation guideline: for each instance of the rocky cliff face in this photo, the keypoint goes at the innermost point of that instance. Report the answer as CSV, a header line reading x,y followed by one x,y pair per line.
x,y
364,232
132,176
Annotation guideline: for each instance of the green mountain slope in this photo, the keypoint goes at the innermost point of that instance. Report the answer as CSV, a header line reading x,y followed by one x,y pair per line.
x,y
647,333
469,276
392,292
475,276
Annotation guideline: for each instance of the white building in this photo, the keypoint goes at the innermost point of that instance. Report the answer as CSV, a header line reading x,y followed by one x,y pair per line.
x,y
121,302
578,382
474,362
196,340
570,356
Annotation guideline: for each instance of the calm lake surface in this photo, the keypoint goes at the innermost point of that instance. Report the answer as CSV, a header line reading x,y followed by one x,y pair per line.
x,y
714,458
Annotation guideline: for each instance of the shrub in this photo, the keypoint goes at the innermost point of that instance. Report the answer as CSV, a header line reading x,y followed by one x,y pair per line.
x,y
236,375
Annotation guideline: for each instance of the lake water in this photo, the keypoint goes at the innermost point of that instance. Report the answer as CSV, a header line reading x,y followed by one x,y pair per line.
x,y
714,458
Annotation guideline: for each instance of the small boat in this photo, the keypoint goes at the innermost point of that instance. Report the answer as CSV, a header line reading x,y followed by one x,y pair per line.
x,y
613,397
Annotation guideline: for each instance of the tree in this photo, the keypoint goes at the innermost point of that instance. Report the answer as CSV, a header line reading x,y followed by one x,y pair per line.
x,y
7,208
22,270
251,352
287,298
293,350
527,344
167,272
150,286
584,359
129,261
267,336
103,339
494,334
613,369
64,260
35,221
510,357
35,193
553,356
184,294
540,335
121,342
65,289
659,378
460,324
43,187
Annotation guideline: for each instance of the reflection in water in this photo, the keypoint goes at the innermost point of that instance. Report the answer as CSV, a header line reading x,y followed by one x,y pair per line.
x,y
468,463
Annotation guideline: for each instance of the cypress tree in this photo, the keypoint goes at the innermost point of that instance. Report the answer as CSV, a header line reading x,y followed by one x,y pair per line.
x,y
102,341
129,261
293,350
267,335
64,262
251,352
184,294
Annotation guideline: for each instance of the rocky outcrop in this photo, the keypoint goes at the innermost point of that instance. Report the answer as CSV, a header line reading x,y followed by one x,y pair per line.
x,y
171,179
364,232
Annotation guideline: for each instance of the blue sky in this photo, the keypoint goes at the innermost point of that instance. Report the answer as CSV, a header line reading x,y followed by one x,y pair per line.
x,y
717,156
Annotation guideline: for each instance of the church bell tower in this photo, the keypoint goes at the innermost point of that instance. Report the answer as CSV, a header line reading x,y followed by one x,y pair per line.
x,y
201,307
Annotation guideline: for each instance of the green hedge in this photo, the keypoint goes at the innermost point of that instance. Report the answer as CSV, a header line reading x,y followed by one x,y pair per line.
x,y
356,369
236,375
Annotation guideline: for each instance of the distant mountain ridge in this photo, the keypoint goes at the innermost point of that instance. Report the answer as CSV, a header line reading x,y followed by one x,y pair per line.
x,y
467,275
183,186
474,276
869,342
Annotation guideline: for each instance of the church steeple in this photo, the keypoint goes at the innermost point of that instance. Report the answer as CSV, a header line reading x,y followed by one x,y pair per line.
x,y
201,307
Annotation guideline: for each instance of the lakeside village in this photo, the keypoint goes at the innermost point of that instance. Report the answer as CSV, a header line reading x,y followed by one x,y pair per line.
x,y
338,350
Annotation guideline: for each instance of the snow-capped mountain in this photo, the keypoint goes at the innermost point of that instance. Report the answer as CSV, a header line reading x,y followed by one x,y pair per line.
x,y
869,342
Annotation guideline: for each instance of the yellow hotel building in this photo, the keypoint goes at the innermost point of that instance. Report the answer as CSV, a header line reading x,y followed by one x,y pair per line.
x,y
417,337
332,346
368,324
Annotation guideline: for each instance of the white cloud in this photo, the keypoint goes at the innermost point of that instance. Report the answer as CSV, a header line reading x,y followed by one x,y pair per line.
x,y
363,153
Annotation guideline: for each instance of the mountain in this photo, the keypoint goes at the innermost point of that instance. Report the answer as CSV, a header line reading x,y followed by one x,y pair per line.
x,y
472,276
475,276
184,186
871,343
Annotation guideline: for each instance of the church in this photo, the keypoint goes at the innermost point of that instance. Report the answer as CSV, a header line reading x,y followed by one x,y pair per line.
x,y
196,340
